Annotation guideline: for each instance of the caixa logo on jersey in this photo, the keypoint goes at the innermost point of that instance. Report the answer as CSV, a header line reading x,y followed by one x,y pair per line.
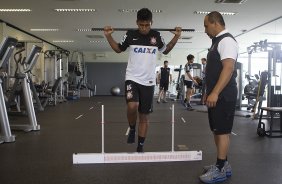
x,y
145,50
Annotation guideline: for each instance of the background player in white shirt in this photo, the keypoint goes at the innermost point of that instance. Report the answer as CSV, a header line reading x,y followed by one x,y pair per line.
x,y
189,80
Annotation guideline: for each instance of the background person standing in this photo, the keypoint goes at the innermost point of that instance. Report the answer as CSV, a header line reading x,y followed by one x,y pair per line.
x,y
165,79
203,97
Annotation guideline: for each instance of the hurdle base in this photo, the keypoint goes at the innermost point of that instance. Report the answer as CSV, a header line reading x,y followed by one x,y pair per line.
x,y
96,158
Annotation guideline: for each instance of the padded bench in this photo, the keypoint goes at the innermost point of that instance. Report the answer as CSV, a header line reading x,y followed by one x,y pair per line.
x,y
261,126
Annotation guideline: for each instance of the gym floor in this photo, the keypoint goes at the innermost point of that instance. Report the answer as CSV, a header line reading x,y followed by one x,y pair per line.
x,y
45,157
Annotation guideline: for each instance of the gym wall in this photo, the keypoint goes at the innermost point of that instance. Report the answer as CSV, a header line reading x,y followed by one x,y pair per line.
x,y
105,76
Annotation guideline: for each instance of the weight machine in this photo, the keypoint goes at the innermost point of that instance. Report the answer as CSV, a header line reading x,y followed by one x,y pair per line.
x,y
55,69
23,80
6,50
272,81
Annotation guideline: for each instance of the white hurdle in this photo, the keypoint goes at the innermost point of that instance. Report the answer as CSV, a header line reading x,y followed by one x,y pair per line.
x,y
171,156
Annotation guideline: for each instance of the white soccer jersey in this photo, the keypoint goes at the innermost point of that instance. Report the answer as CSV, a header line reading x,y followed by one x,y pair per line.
x,y
188,68
142,55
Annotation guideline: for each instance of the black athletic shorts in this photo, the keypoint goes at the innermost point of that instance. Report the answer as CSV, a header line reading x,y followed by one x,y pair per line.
x,y
221,117
163,85
135,92
188,84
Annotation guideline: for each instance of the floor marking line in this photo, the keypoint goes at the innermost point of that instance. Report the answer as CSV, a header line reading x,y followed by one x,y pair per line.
x,y
182,147
183,120
91,108
79,116
127,131
233,133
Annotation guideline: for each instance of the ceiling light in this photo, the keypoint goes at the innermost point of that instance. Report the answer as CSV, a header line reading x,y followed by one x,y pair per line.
x,y
207,12
63,41
44,29
156,11
201,12
199,31
84,30
15,10
98,41
136,10
128,10
75,10
272,33
228,13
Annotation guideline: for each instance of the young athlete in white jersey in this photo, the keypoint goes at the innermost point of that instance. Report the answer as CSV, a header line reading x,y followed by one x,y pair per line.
x,y
140,78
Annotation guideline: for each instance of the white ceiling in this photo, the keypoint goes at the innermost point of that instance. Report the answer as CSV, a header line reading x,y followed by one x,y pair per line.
x,y
175,13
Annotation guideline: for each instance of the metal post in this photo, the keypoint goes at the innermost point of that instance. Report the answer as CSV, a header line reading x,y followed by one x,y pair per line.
x,y
270,72
103,136
29,105
60,75
250,63
172,128
67,71
4,121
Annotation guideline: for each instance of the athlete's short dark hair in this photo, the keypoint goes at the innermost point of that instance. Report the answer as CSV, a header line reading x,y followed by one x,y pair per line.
x,y
144,14
165,61
215,16
190,57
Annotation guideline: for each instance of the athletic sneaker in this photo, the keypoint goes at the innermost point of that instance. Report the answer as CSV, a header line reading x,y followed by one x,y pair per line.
x,y
164,101
188,106
227,168
158,101
213,175
131,136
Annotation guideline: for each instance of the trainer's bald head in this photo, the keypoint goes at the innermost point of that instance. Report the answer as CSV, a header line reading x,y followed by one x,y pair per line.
x,y
216,17
214,24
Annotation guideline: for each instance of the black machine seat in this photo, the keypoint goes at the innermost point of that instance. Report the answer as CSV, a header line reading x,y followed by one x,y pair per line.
x,y
48,95
56,85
